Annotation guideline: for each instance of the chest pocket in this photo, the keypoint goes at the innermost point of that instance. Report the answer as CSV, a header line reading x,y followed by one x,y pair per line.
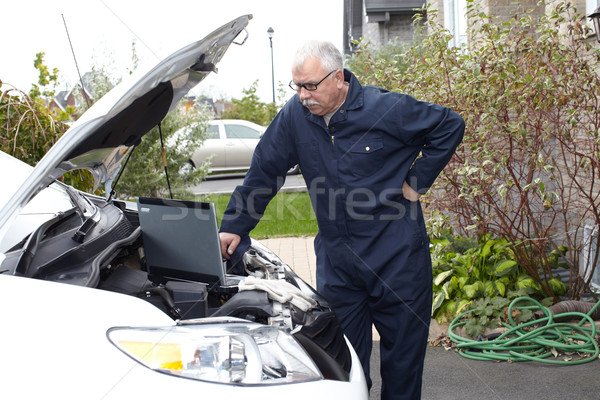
x,y
366,155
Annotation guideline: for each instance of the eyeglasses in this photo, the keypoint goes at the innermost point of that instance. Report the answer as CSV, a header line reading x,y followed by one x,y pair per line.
x,y
308,86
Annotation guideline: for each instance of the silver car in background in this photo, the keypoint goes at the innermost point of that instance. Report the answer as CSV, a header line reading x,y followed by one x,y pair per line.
x,y
229,145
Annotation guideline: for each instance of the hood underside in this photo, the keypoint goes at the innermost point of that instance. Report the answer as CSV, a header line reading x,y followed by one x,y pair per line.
x,y
103,136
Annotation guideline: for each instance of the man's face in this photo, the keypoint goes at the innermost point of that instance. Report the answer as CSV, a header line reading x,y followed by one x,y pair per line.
x,y
329,93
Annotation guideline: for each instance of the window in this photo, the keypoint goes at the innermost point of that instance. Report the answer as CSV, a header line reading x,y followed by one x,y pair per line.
x,y
213,132
455,21
241,132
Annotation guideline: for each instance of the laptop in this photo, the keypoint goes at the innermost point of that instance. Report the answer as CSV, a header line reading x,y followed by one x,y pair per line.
x,y
181,241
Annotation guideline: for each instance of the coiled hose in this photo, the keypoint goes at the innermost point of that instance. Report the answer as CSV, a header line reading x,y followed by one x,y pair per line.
x,y
538,340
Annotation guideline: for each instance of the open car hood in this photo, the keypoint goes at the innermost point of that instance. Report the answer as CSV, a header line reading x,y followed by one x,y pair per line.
x,y
101,139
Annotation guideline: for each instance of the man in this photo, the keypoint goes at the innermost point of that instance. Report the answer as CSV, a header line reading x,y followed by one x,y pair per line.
x,y
358,149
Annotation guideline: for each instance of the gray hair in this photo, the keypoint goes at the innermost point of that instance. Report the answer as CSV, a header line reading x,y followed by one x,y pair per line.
x,y
326,52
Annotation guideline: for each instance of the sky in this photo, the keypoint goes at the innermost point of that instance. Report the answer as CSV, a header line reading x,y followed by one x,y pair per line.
x,y
101,32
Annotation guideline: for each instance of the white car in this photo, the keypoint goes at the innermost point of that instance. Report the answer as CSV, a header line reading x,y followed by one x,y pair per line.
x,y
84,317
229,145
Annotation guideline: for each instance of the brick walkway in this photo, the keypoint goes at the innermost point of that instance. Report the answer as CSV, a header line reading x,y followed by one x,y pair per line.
x,y
298,253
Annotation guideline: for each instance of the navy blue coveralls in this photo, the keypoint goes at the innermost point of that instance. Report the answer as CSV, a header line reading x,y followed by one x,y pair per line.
x,y
373,261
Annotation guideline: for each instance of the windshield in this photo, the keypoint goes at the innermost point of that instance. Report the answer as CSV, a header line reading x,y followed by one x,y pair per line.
x,y
44,206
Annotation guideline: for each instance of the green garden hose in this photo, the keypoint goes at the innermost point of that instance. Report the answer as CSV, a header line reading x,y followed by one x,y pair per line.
x,y
538,340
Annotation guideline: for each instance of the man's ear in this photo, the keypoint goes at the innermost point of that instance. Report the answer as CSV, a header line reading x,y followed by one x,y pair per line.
x,y
339,77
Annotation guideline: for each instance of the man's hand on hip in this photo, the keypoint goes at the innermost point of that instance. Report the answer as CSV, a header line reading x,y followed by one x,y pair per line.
x,y
409,193
229,242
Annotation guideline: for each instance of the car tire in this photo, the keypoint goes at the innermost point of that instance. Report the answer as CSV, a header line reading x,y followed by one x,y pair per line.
x,y
186,169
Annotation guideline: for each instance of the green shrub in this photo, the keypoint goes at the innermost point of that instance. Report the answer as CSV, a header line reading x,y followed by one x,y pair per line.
x,y
527,169
482,273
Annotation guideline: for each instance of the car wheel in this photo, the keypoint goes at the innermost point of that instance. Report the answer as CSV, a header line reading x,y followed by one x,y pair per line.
x,y
294,170
186,169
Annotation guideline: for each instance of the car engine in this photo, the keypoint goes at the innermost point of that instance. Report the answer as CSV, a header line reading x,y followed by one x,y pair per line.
x,y
104,249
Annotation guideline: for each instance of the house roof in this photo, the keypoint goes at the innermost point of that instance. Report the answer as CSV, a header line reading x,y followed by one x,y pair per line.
x,y
62,98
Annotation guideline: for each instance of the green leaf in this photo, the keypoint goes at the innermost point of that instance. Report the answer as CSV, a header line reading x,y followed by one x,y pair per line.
x,y
462,305
446,290
462,281
484,321
441,277
558,287
439,241
500,287
449,306
487,248
474,290
473,328
547,301
499,303
449,255
527,283
438,299
524,315
505,268
489,288
505,280
461,271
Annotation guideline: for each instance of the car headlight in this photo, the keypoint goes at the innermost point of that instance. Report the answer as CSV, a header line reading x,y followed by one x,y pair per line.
x,y
226,352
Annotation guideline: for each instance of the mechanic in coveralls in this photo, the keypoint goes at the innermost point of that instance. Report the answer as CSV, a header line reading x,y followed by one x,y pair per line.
x,y
358,147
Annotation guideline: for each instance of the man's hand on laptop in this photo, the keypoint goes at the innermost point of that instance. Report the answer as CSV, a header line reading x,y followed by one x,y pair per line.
x,y
229,242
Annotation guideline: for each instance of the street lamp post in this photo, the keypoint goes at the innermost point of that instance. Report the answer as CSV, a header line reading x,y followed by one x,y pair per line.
x,y
270,32
595,17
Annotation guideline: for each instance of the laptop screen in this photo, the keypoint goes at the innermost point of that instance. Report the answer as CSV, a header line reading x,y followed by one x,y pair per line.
x,y
181,240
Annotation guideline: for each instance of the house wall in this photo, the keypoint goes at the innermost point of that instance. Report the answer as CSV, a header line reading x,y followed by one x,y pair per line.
x,y
503,10
399,29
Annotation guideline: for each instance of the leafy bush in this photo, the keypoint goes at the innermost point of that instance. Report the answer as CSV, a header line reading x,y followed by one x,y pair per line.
x,y
28,128
491,312
482,273
528,167
250,108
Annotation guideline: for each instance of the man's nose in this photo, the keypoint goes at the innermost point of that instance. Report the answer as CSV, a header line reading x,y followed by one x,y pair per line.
x,y
304,94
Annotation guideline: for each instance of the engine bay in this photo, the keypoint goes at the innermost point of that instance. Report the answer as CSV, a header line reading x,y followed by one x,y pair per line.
x,y
103,248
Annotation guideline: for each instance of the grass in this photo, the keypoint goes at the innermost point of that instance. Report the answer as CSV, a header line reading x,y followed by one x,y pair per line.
x,y
288,214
